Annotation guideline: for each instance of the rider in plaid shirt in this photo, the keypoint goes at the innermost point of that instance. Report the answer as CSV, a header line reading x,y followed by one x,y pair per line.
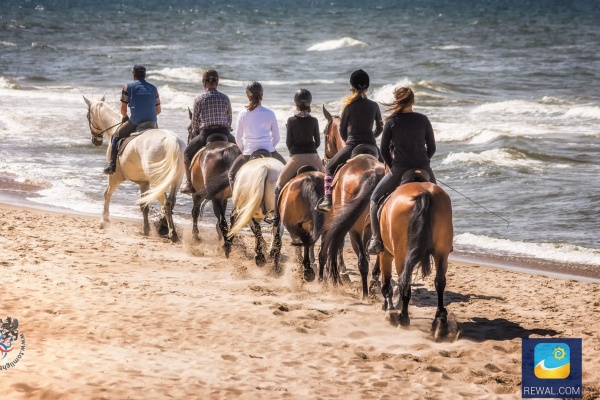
x,y
212,114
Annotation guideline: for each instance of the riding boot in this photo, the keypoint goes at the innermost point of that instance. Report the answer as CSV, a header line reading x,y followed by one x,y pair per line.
x,y
274,220
375,245
326,203
189,188
114,151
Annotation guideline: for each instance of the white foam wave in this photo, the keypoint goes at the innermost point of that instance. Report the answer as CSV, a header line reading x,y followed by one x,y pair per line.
x,y
7,83
518,107
549,251
8,44
181,74
385,94
452,47
148,47
452,131
588,112
499,157
336,44
174,99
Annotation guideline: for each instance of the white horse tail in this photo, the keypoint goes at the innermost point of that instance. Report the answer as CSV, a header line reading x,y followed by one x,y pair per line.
x,y
248,193
165,173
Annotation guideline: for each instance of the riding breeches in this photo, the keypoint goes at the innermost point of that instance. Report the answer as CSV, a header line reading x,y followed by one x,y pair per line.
x,y
340,158
391,181
295,162
200,141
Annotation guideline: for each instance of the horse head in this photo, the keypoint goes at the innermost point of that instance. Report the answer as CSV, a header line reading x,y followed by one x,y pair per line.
x,y
92,116
333,139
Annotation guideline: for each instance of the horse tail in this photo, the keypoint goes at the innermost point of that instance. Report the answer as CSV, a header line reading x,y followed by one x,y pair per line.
x,y
165,173
420,238
333,239
248,193
313,193
215,185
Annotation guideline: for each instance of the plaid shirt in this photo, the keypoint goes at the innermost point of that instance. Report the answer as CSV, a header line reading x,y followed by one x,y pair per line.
x,y
210,108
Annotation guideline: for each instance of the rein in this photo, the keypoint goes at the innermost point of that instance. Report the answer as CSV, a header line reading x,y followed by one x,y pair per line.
x,y
98,135
326,135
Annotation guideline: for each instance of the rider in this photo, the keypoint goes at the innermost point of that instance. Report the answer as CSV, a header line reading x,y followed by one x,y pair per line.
x,y
411,136
302,140
212,114
356,127
142,98
256,130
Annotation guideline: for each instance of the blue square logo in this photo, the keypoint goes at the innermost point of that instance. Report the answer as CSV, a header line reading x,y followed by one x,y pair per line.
x,y
551,368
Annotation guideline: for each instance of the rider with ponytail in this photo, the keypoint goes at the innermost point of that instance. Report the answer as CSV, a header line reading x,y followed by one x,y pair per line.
x,y
256,130
410,135
356,127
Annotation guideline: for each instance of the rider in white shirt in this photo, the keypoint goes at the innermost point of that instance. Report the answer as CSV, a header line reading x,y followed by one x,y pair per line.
x,y
256,130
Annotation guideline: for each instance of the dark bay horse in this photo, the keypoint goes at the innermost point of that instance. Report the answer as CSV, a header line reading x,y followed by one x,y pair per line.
x,y
416,224
297,203
209,172
353,185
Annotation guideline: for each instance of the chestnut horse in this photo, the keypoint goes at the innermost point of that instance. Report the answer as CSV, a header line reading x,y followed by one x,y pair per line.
x,y
416,224
333,139
297,203
353,185
210,178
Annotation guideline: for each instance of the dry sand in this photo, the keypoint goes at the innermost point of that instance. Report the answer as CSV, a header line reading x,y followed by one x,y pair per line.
x,y
113,314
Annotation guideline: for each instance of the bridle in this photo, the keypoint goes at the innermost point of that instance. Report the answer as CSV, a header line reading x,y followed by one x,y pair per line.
x,y
326,136
98,136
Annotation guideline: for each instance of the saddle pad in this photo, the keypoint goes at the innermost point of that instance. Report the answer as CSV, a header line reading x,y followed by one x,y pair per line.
x,y
125,142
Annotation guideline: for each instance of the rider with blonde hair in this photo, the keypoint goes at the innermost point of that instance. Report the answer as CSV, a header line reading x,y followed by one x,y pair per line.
x,y
356,127
410,135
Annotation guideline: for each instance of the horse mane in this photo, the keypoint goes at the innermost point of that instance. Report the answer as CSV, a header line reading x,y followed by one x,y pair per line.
x,y
102,105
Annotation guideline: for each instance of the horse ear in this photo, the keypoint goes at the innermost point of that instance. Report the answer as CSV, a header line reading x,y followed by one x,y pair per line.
x,y
103,97
327,114
190,112
89,103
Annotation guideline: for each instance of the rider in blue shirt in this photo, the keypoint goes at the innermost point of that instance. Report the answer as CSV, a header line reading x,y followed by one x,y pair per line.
x,y
142,99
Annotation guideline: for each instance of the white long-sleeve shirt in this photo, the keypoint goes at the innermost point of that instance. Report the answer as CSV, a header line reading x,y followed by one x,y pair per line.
x,y
257,129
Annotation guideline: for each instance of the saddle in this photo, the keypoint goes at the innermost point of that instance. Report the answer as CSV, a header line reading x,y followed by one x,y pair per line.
x,y
216,137
260,153
369,149
141,128
412,175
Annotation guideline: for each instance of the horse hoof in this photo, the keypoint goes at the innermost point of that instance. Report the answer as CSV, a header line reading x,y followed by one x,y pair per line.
x,y
345,279
260,260
392,317
104,224
309,275
439,328
374,287
404,320
174,238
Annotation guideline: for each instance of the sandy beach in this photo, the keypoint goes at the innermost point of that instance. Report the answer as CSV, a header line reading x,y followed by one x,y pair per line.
x,y
112,314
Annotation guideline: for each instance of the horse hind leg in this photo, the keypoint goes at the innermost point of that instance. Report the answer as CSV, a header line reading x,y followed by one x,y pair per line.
x,y
275,253
219,207
167,209
363,262
387,290
309,274
259,258
375,284
439,326
195,214
144,208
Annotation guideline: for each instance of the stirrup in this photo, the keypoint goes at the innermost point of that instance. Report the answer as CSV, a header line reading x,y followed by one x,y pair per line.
x,y
110,168
270,218
375,246
188,189
324,205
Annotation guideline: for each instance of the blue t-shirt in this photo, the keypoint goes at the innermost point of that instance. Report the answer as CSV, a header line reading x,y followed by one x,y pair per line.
x,y
142,99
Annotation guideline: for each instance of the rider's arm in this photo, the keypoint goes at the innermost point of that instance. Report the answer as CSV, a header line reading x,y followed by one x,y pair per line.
x,y
196,119
386,140
239,134
429,140
158,109
378,121
275,131
123,109
344,125
317,134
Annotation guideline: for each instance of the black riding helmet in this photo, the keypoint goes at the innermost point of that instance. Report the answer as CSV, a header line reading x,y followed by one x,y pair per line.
x,y
303,98
254,89
359,80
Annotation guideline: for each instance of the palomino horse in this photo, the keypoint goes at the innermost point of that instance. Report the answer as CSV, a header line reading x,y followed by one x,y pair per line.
x,y
252,196
154,160
297,203
416,224
210,179
352,191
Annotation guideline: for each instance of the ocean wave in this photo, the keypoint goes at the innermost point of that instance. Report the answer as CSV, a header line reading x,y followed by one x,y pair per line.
x,y
336,44
548,251
172,98
181,74
517,107
7,83
422,89
588,112
499,157
7,44
452,47
42,45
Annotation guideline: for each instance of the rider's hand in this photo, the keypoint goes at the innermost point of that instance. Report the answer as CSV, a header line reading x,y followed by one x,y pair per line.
x,y
124,119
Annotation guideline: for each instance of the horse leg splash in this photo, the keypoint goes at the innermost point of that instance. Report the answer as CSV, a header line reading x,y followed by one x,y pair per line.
x,y
260,244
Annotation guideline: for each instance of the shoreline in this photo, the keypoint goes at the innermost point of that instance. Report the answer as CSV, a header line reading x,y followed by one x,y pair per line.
x,y
17,198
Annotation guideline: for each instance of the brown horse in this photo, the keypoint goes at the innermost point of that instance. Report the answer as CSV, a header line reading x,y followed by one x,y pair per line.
x,y
352,191
333,139
210,178
297,203
416,224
